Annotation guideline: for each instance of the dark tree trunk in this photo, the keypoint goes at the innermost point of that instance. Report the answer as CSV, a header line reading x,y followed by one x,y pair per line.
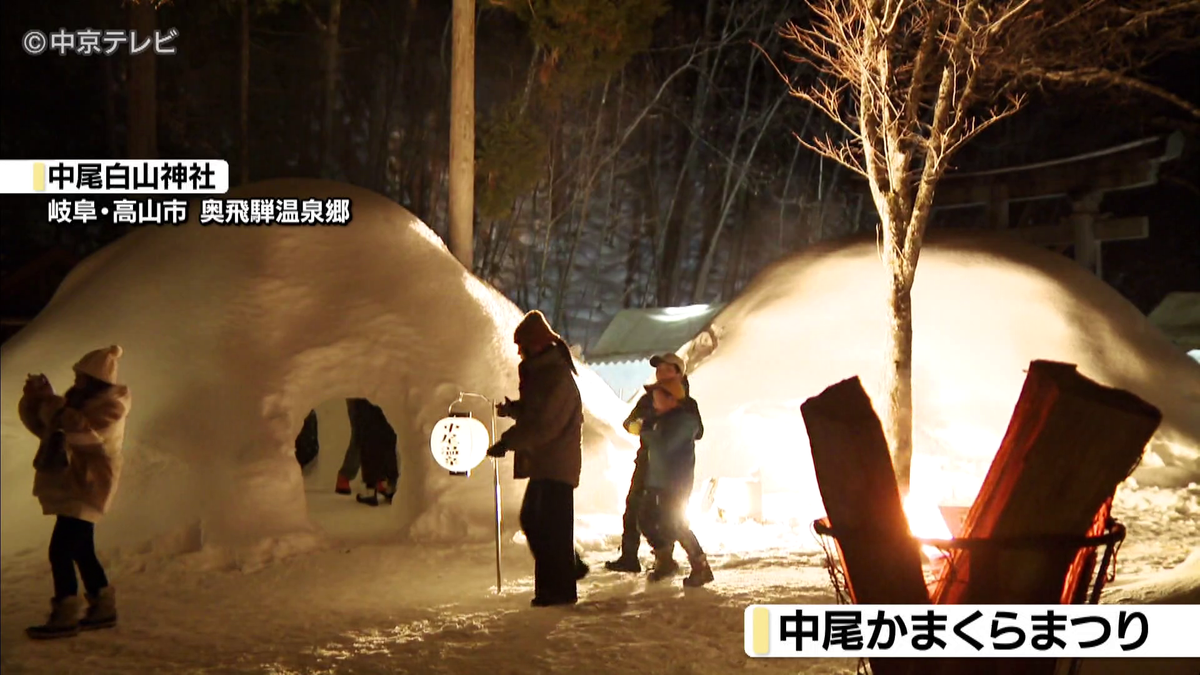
x,y
737,257
332,29
711,208
677,213
109,84
632,257
244,103
651,217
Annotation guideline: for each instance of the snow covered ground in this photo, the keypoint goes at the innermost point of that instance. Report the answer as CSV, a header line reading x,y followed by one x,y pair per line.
x,y
367,603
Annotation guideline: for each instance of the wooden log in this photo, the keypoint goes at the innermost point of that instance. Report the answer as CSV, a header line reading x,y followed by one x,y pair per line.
x,y
1071,441
881,560
858,485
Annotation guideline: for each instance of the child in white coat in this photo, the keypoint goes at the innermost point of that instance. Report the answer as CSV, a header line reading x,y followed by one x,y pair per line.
x,y
77,468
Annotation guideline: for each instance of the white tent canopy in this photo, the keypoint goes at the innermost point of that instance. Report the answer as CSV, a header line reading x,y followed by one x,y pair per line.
x,y
1178,315
621,356
638,334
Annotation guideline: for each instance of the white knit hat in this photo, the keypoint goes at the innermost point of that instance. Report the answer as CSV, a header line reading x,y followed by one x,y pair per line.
x,y
100,364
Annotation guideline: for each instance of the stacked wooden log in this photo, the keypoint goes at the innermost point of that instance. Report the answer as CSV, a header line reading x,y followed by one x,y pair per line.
x,y
1070,443
881,560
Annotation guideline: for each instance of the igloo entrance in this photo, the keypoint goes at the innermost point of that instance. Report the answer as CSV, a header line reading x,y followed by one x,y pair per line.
x,y
349,474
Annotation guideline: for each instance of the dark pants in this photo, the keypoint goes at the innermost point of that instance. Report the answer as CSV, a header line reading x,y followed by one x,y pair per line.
x,y
631,535
308,443
73,543
663,519
375,439
379,462
548,520
352,460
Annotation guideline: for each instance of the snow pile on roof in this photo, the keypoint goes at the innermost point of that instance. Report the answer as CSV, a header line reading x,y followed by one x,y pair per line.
x,y
983,308
231,335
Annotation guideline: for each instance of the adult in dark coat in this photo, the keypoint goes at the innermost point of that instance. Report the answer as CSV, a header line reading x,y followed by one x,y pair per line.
x,y
546,442
377,448
667,367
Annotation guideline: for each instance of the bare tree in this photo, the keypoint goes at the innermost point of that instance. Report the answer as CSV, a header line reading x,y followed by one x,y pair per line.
x,y
911,81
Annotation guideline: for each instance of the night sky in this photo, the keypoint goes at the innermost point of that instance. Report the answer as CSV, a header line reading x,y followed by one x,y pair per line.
x,y
391,134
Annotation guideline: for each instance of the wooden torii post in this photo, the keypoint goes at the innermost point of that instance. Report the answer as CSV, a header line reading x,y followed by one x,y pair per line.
x,y
1083,179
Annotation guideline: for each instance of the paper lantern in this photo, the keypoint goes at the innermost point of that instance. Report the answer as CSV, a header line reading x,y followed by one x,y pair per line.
x,y
459,444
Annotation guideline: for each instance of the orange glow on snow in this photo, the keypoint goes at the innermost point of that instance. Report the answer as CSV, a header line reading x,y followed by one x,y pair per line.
x,y
752,513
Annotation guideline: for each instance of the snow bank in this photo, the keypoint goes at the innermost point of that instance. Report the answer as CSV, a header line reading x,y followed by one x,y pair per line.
x,y
1179,585
984,307
232,335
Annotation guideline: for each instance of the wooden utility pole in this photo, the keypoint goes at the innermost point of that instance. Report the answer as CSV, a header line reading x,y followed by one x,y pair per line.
x,y
244,100
462,134
142,123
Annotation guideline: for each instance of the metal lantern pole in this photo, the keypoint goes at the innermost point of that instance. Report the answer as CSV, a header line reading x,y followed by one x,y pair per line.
x,y
495,481
496,484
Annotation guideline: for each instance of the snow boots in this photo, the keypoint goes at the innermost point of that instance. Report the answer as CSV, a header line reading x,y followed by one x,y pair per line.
x,y
386,489
101,611
343,485
370,495
665,566
626,563
701,573
63,621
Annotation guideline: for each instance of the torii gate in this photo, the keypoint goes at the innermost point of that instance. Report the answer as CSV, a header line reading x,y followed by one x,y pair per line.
x,y
1084,179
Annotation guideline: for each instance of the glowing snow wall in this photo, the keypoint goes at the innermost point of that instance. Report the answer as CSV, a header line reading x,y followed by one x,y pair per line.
x,y
984,307
232,335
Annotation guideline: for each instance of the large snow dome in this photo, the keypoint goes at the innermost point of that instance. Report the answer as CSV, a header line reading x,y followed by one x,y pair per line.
x,y
984,307
231,335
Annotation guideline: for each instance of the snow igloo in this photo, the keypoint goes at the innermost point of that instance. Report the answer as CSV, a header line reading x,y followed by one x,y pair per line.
x,y
232,334
984,307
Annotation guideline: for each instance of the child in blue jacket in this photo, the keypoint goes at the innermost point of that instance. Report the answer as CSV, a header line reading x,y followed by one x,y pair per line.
x,y
670,441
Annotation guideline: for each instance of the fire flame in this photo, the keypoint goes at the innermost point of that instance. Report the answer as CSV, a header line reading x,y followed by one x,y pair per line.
x,y
925,521
740,518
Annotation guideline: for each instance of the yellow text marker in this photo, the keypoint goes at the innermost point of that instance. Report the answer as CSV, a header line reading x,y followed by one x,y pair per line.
x,y
39,177
762,630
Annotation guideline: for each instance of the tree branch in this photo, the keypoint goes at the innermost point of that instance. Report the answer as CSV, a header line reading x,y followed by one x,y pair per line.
x,y
938,139
843,153
1103,77
998,25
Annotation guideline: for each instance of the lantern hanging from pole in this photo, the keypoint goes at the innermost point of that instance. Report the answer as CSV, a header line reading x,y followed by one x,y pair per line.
x,y
459,444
